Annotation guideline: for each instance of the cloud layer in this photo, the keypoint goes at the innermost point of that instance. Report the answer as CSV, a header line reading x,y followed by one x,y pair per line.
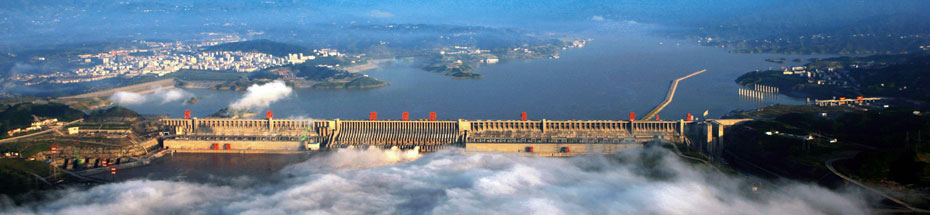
x,y
162,95
381,14
636,181
261,96
127,98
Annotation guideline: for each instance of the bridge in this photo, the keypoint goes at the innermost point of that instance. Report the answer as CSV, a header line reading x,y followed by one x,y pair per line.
x,y
669,96
547,137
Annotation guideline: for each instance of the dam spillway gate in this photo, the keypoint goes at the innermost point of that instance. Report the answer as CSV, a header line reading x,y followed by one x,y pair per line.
x,y
555,136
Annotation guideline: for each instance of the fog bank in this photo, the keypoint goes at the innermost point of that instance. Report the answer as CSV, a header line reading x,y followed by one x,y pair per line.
x,y
637,181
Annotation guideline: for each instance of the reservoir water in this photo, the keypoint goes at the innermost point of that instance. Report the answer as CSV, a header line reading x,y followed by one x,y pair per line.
x,y
613,75
616,73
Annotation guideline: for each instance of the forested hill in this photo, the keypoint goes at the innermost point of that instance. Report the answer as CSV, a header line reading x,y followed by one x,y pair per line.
x,y
20,115
899,76
116,113
909,79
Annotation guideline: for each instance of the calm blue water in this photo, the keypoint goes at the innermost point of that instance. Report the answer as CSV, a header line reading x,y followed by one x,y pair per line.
x,y
616,73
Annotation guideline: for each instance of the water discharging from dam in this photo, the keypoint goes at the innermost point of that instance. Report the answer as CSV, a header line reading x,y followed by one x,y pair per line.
x,y
614,75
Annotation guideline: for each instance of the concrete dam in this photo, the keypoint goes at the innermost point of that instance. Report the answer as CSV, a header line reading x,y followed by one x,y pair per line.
x,y
541,137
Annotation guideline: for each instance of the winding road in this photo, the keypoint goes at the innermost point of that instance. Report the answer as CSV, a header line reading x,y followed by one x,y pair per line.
x,y
40,132
829,165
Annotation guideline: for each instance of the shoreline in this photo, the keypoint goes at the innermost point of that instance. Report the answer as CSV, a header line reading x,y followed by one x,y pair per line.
x,y
371,64
143,88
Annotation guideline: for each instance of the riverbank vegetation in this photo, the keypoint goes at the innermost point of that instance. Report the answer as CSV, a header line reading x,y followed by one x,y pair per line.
x,y
23,114
889,147
16,175
905,76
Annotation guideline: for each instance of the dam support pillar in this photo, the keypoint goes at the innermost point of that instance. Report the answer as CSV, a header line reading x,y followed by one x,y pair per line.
x,y
718,139
194,124
270,116
681,128
708,138
334,127
463,125
464,129
632,127
632,123
543,126
270,126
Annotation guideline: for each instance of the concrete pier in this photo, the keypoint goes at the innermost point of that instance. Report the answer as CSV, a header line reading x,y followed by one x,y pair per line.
x,y
668,96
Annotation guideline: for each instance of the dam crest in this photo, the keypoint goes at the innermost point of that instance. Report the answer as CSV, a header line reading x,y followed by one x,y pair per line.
x,y
541,137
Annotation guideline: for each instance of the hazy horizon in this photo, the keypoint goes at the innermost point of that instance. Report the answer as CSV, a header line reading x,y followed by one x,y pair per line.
x,y
36,23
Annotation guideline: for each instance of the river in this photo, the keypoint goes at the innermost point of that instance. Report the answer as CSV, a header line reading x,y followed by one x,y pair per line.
x,y
616,73
613,75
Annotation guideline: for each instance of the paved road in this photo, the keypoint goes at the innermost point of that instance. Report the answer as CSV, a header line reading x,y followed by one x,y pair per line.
x,y
675,147
41,132
829,165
